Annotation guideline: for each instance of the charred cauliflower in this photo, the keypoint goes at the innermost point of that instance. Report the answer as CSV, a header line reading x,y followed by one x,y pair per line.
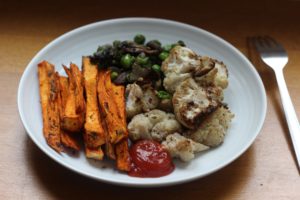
x,y
183,63
140,99
178,67
155,124
182,147
212,130
216,75
192,102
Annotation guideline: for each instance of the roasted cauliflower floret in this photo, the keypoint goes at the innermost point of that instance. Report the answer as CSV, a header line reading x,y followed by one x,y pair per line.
x,y
155,116
172,80
192,102
215,75
184,63
140,127
178,67
149,99
140,99
155,124
134,105
165,127
181,60
182,147
212,130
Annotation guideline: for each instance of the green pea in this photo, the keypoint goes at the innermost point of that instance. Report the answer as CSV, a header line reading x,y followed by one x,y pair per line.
x,y
139,39
127,60
163,55
163,94
156,68
167,47
114,75
142,60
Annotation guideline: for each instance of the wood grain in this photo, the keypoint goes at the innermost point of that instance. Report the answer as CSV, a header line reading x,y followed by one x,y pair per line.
x,y
266,171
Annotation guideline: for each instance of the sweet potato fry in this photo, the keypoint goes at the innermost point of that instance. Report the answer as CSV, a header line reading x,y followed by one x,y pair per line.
x,y
94,135
59,99
118,94
121,148
67,139
96,154
122,154
79,87
64,92
49,92
116,130
73,118
109,147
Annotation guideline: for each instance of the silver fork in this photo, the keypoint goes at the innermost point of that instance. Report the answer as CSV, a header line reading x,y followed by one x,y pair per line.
x,y
275,56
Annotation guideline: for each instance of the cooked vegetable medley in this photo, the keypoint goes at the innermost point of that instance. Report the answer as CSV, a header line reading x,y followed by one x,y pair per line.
x,y
164,100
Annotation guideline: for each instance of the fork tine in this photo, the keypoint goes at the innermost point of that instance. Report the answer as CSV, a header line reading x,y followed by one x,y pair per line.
x,y
271,41
262,41
257,41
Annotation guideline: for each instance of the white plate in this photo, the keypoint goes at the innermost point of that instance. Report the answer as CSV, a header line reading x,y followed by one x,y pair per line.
x,y
245,95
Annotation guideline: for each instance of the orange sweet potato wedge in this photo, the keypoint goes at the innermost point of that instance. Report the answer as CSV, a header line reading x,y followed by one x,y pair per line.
x,y
49,94
122,155
64,92
116,130
110,150
96,154
109,147
118,94
67,138
121,148
79,88
73,117
94,133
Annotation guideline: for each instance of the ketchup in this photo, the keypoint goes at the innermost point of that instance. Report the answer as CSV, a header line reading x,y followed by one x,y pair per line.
x,y
149,159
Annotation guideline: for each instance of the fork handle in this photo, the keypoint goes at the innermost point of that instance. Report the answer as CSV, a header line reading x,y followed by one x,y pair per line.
x,y
290,113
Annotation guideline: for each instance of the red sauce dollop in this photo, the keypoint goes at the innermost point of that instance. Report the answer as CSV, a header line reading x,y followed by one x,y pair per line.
x,y
149,159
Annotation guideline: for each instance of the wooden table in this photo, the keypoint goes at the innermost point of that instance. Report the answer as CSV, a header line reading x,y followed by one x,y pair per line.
x,y
266,171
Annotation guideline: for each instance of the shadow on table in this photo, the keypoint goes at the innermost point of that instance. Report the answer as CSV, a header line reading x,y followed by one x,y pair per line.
x,y
60,183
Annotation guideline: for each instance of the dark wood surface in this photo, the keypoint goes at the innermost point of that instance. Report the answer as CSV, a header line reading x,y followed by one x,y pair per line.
x,y
266,171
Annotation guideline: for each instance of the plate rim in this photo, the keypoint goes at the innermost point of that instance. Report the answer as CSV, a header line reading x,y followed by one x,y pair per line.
x,y
154,20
